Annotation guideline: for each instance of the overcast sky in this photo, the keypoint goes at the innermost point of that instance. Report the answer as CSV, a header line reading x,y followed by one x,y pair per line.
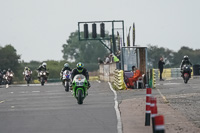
x,y
38,28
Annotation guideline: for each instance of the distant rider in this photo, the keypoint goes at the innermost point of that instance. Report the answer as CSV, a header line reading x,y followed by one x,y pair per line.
x,y
4,73
42,67
80,70
66,67
1,76
27,71
185,61
9,71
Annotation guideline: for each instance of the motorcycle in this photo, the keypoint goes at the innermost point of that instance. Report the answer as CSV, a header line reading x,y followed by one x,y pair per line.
x,y
1,78
43,77
186,73
9,77
27,76
66,79
80,86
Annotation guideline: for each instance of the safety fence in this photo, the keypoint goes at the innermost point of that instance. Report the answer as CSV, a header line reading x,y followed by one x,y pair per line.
x,y
168,73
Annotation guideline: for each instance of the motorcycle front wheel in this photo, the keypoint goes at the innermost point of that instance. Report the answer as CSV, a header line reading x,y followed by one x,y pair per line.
x,y
185,81
80,99
42,81
66,86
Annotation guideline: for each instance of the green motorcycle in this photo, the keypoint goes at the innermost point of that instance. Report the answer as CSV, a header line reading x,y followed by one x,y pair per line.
x,y
80,86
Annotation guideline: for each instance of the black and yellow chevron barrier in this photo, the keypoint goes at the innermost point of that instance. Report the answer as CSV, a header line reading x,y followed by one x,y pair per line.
x,y
119,80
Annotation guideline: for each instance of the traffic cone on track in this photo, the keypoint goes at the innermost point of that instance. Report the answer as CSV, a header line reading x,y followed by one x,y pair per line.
x,y
148,109
159,124
153,112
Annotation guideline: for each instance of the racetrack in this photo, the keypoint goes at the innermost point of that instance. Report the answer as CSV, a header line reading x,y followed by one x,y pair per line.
x,y
49,109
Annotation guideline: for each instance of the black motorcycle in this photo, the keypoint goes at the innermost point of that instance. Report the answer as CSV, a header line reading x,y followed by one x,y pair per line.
x,y
186,73
43,76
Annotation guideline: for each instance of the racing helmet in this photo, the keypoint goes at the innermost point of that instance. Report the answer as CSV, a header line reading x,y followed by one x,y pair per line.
x,y
4,71
66,65
185,57
44,64
80,67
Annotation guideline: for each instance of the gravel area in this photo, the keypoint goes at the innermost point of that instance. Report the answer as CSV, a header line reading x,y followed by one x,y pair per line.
x,y
181,112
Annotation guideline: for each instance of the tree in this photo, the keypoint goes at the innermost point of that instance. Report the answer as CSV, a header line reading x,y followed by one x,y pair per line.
x,y
194,56
84,51
154,54
9,58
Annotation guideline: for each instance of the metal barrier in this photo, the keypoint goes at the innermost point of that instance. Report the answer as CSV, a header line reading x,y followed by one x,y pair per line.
x,y
119,80
168,73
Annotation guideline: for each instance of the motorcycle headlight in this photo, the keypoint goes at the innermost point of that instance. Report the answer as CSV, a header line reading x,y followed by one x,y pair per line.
x,y
44,73
77,83
40,73
11,75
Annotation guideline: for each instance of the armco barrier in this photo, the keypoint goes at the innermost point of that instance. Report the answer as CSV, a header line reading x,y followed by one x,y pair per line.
x,y
119,79
168,73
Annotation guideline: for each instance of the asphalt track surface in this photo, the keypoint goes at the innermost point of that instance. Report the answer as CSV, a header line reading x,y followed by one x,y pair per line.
x,y
49,109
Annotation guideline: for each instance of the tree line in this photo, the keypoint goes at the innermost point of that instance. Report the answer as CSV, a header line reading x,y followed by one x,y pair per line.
x,y
87,52
172,59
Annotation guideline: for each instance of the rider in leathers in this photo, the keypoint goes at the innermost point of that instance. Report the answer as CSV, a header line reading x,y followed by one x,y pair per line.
x,y
66,67
42,68
185,61
80,70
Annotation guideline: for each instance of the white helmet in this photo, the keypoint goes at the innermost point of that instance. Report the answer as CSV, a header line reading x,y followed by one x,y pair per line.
x,y
44,64
66,65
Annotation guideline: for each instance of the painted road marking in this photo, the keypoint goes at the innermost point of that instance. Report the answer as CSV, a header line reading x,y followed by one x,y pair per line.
x,y
164,98
119,123
1,101
169,84
35,91
98,81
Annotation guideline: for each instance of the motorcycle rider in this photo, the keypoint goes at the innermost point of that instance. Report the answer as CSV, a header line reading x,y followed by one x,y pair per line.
x,y
4,77
42,67
185,61
9,75
27,70
4,72
66,67
9,71
80,70
1,76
